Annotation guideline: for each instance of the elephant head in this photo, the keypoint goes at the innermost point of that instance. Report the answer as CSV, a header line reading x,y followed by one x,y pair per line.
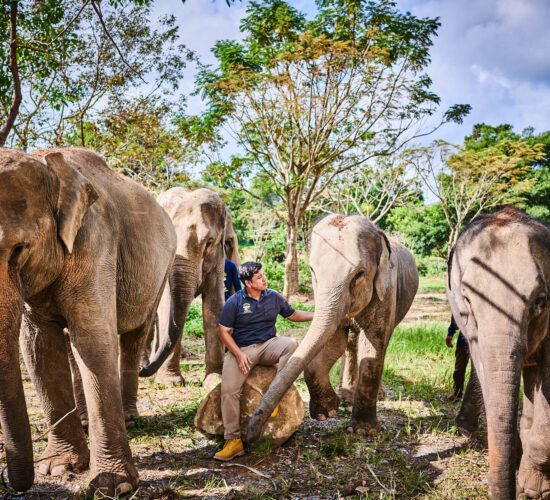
x,y
42,204
199,218
350,264
498,289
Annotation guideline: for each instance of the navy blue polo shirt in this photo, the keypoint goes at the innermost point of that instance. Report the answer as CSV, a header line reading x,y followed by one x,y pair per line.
x,y
253,321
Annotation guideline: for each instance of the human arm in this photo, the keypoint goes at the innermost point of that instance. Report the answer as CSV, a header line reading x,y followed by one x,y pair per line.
x,y
226,337
300,316
450,332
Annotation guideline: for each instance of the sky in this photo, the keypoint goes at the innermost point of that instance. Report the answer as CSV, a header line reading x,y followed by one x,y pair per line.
x,y
491,54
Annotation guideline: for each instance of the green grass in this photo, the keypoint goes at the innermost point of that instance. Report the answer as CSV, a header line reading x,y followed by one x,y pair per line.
x,y
418,363
431,284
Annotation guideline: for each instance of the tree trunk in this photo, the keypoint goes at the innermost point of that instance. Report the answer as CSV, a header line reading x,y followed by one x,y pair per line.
x,y
291,283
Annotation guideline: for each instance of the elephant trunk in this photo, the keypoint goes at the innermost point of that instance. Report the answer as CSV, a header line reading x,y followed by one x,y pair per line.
x,y
502,364
324,324
184,282
13,411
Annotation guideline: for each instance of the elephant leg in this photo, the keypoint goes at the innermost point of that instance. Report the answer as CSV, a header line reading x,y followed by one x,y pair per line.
x,y
78,389
44,349
349,369
95,345
371,352
212,305
534,469
169,373
132,345
324,401
471,408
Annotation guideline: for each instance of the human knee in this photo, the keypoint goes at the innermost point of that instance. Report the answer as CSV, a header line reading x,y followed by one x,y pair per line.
x,y
291,346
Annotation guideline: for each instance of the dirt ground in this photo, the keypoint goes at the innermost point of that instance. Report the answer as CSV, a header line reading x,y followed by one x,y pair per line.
x,y
417,454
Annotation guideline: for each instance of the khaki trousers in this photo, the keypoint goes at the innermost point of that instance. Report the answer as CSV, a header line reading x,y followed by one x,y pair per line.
x,y
276,350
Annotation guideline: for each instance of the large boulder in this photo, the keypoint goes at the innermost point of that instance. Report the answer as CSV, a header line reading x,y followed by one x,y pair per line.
x,y
291,413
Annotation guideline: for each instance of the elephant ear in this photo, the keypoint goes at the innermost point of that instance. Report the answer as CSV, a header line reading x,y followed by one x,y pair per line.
x,y
230,239
76,194
382,277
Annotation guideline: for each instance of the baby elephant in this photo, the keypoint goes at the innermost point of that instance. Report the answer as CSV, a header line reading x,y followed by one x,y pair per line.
x,y
360,281
498,289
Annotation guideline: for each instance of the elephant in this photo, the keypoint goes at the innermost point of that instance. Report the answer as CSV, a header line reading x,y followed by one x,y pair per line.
x,y
203,227
363,282
81,248
498,289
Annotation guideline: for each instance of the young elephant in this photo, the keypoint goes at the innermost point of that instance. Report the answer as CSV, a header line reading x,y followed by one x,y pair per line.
x,y
499,289
362,281
86,249
202,226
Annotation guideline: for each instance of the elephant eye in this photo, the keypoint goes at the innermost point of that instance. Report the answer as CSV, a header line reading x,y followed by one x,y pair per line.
x,y
539,304
16,253
360,274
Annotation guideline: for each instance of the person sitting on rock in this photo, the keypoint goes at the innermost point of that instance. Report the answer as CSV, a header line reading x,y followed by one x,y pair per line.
x,y
247,329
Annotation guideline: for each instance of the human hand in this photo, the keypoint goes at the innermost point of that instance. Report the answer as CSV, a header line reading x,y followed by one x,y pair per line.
x,y
449,341
244,362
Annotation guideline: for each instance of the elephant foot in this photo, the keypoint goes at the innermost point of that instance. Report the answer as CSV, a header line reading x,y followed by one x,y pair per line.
x,y
112,484
170,378
321,408
211,381
55,462
363,427
346,395
130,416
532,482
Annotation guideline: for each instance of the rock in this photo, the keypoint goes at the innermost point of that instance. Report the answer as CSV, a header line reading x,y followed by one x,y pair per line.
x,y
291,413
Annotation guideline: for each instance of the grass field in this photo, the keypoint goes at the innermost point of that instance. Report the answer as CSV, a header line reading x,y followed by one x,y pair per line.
x,y
417,453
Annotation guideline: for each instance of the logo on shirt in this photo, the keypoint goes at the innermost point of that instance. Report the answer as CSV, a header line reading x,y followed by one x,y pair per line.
x,y
246,308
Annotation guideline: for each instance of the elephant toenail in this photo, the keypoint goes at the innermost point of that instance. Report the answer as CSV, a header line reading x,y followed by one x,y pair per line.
x,y
44,469
59,470
321,417
350,430
332,413
360,431
124,488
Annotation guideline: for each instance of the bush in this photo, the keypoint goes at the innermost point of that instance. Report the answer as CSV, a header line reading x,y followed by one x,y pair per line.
x,y
193,322
430,266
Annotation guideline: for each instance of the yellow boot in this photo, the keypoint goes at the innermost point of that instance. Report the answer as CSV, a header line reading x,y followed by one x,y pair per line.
x,y
232,448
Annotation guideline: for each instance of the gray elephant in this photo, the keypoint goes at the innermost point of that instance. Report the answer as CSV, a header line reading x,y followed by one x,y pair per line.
x,y
498,290
76,252
360,281
203,228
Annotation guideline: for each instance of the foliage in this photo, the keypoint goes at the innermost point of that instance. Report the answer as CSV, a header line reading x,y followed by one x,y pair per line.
x,y
468,181
309,100
75,58
193,321
423,228
136,138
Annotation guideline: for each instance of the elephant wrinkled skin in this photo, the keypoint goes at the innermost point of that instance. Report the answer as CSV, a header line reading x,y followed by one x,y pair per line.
x,y
86,249
203,227
498,290
360,281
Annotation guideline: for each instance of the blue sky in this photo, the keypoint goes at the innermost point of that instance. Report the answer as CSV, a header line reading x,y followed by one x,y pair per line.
x,y
492,54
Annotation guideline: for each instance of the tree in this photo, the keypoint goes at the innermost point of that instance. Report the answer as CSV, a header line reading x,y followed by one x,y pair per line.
x,y
67,59
537,200
373,190
307,101
137,137
468,181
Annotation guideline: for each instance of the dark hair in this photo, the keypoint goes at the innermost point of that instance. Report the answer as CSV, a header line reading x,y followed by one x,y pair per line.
x,y
248,269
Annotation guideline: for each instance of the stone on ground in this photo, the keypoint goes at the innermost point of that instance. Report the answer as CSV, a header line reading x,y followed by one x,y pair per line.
x,y
280,428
